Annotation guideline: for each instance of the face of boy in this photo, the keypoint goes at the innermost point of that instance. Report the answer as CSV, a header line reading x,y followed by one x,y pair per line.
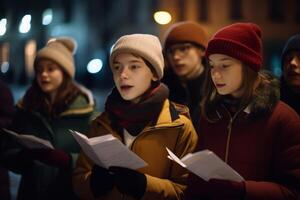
x,y
132,76
291,69
226,74
184,58
49,76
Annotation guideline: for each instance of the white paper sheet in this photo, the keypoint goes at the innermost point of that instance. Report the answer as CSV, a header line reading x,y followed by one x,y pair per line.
x,y
207,165
108,151
30,141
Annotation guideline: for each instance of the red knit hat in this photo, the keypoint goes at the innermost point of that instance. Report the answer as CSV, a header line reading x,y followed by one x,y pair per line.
x,y
185,31
241,41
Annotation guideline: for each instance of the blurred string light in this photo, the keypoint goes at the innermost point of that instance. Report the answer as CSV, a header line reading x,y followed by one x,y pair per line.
x,y
276,65
162,17
95,66
47,17
4,67
25,24
3,23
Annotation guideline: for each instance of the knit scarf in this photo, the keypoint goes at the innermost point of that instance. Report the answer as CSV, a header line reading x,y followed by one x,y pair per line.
x,y
134,117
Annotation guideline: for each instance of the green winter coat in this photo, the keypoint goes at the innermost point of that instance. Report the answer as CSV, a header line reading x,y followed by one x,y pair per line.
x,y
41,181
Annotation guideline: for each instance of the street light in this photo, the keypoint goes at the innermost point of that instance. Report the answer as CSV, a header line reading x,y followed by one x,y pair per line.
x,y
3,23
162,17
47,16
25,24
94,66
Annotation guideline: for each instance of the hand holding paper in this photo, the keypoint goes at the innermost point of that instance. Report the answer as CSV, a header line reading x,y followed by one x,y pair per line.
x,y
29,141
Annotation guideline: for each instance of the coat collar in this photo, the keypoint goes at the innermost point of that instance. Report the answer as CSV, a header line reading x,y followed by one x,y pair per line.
x,y
83,104
265,99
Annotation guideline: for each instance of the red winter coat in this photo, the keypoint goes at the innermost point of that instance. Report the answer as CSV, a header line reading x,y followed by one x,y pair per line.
x,y
264,149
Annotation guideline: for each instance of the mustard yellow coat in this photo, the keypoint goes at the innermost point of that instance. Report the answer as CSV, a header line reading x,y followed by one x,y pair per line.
x,y
165,178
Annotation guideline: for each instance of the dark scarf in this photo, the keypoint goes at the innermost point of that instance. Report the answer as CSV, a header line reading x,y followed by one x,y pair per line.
x,y
232,104
134,117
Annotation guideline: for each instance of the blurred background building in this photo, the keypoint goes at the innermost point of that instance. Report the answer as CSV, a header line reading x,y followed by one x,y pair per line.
x,y
278,20
25,26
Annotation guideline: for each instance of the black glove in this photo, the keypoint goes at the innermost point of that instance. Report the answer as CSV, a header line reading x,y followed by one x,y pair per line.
x,y
16,160
52,157
214,188
129,181
101,181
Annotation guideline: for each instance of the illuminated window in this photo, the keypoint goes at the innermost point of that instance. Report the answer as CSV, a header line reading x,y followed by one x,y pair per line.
x,y
30,50
4,57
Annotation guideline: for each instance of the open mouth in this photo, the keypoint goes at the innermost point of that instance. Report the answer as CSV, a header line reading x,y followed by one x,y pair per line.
x,y
219,85
126,87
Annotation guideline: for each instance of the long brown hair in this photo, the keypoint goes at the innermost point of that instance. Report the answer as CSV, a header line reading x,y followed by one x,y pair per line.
x,y
37,100
211,98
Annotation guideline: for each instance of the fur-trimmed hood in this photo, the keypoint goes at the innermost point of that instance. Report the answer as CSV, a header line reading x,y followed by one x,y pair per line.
x,y
266,96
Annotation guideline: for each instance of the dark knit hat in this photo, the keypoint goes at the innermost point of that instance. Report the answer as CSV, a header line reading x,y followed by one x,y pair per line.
x,y
293,44
185,31
241,41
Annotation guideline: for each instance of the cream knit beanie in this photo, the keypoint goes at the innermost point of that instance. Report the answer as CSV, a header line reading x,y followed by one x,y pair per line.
x,y
61,51
145,45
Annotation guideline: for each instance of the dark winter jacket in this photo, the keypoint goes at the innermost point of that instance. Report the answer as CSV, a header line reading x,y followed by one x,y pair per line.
x,y
289,97
187,93
41,181
262,144
6,115
7,105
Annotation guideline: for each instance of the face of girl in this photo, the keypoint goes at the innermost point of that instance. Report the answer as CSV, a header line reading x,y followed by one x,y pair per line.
x,y
132,76
49,76
226,74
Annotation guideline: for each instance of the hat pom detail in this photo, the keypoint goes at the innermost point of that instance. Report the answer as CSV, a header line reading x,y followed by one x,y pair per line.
x,y
60,50
68,42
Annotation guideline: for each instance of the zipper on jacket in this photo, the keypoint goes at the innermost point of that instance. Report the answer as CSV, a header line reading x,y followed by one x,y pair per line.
x,y
229,130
